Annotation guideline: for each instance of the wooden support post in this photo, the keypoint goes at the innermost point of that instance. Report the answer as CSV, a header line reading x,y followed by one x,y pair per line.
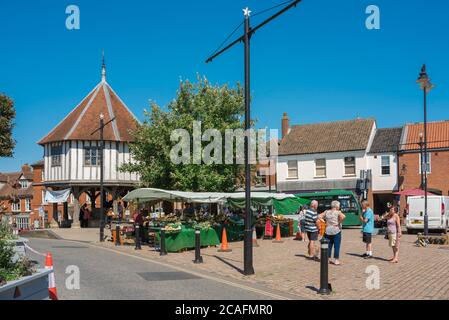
x,y
76,208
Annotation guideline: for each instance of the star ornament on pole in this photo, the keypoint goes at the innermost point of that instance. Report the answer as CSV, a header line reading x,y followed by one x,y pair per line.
x,y
424,81
246,12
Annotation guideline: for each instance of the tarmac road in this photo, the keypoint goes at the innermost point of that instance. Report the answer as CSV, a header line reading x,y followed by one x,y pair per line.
x,y
106,275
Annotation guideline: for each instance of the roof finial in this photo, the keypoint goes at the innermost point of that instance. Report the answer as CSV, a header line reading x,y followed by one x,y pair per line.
x,y
103,69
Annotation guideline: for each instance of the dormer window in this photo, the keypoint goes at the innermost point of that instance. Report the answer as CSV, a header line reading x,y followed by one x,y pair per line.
x,y
24,184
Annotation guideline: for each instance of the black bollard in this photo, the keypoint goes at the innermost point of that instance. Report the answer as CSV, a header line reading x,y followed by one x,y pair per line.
x,y
198,257
163,251
324,268
137,231
117,234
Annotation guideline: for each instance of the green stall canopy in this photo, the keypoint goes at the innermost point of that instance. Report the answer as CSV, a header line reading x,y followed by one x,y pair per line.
x,y
282,203
289,205
236,199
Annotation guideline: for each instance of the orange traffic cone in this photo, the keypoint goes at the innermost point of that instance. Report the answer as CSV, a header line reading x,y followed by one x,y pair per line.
x,y
51,278
278,235
255,244
224,242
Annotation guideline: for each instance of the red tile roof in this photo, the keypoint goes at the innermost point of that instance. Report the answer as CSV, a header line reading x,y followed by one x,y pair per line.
x,y
437,135
84,119
11,187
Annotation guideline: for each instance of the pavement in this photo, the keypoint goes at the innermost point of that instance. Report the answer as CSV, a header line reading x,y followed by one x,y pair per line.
x,y
282,269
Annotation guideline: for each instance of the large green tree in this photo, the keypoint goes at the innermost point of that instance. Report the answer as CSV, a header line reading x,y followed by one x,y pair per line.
x,y
7,115
217,107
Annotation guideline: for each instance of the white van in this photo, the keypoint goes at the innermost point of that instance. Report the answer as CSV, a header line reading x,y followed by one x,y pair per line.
x,y
437,211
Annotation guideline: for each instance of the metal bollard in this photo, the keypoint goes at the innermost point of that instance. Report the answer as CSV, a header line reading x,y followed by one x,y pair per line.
x,y
117,234
137,231
198,257
324,268
163,251
426,225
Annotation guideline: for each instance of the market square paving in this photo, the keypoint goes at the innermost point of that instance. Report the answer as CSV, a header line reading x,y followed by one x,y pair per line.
x,y
422,273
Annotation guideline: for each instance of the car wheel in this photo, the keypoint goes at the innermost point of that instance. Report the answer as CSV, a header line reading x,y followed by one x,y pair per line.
x,y
410,231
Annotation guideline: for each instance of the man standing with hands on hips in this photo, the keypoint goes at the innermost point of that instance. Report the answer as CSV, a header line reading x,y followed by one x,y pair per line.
x,y
367,218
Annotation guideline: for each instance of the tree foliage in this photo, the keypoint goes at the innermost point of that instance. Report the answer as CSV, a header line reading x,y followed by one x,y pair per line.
x,y
217,107
7,115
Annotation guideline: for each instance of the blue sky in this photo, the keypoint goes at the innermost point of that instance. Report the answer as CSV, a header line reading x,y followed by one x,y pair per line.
x,y
317,62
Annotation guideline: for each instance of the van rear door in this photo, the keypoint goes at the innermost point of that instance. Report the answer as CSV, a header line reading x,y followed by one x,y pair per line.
x,y
416,211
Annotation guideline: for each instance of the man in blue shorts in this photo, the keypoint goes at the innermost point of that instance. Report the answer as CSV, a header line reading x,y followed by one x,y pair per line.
x,y
367,219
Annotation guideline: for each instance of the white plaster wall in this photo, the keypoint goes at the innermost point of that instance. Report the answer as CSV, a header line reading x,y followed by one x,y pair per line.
x,y
383,182
335,166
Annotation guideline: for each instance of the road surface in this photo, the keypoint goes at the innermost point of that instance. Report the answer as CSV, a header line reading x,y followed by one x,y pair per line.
x,y
107,275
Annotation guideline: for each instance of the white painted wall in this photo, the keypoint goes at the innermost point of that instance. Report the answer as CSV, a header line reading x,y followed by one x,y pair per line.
x,y
383,182
72,163
335,165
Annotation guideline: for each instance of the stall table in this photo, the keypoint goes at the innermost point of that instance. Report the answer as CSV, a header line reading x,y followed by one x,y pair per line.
x,y
176,241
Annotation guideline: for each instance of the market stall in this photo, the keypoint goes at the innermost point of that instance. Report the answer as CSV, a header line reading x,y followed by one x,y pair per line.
x,y
180,226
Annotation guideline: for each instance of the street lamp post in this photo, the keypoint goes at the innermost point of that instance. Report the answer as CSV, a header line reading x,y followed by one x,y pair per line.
x,y
102,179
421,155
248,268
101,156
426,86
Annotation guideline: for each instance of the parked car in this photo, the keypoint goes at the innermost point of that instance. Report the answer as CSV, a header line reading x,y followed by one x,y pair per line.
x,y
437,211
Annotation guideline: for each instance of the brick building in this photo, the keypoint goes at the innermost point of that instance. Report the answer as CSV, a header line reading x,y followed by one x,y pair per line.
x,y
16,196
438,158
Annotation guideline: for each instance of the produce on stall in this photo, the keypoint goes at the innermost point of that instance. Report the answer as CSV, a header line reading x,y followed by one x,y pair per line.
x,y
180,228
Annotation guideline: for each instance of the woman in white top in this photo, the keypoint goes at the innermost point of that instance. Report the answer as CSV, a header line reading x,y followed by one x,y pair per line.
x,y
333,219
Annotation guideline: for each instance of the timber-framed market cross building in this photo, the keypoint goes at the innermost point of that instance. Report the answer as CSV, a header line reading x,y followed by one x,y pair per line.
x,y
72,153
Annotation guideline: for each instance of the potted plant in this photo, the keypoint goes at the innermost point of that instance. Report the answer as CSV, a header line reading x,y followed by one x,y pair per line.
x,y
19,279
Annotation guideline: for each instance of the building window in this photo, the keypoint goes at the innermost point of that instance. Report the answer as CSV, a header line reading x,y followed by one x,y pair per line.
x,y
24,184
15,206
350,166
43,197
91,156
27,205
385,165
292,169
56,152
429,164
261,177
23,222
320,168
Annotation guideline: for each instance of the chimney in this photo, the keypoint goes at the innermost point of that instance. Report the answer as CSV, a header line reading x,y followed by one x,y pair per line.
x,y
26,168
285,125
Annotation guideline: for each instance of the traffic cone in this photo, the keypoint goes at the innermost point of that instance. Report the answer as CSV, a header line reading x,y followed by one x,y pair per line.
x,y
278,235
268,233
255,244
51,278
224,242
